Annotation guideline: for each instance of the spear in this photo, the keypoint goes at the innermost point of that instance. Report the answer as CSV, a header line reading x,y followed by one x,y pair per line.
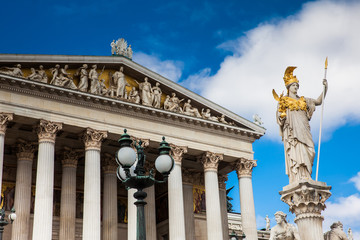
x,y
321,120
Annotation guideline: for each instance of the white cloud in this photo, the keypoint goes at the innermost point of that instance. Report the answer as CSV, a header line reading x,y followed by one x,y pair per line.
x,y
345,210
167,68
324,28
356,181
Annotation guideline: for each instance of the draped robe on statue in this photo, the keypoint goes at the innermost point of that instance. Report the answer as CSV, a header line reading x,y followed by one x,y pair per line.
x,y
298,142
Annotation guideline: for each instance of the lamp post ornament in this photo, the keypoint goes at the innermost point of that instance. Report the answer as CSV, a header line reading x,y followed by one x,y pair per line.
x,y
134,177
4,221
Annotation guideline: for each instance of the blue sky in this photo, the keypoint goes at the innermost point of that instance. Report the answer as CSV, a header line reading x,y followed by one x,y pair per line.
x,y
234,53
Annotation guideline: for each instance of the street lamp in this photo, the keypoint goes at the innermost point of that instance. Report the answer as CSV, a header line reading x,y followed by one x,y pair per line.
x,y
4,221
133,175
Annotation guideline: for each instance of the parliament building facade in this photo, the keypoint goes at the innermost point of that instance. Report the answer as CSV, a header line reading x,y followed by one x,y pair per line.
x,y
60,121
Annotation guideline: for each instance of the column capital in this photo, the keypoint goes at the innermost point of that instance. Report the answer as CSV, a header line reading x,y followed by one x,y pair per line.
x,y
222,178
93,138
177,153
4,119
211,160
109,164
47,130
244,167
71,157
25,150
306,198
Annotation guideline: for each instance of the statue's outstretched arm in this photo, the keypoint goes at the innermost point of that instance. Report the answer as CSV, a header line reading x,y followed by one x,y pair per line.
x,y
319,100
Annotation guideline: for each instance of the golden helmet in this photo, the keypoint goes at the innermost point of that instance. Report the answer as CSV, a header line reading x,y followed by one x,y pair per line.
x,y
289,78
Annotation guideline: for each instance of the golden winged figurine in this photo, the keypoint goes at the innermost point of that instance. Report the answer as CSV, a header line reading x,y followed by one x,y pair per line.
x,y
282,103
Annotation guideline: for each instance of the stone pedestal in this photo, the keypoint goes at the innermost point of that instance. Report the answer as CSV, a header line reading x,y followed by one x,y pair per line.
x,y
307,199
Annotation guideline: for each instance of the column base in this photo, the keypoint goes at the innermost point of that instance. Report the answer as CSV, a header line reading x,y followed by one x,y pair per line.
x,y
307,199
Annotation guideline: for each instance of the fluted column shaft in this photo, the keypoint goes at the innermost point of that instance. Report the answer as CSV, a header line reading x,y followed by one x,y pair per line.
x,y
4,119
132,215
150,213
68,195
223,204
189,211
25,156
91,219
43,211
176,198
213,210
110,207
244,170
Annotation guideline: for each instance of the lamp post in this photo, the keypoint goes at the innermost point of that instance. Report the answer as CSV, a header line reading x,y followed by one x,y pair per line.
x,y
134,176
4,221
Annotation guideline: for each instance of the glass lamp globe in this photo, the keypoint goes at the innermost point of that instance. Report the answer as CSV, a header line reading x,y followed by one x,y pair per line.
x,y
12,215
122,174
164,164
126,157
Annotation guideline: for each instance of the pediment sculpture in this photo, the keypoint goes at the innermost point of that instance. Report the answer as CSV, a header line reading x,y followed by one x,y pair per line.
x,y
115,84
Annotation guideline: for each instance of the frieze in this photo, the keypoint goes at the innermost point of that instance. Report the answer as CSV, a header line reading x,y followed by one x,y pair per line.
x,y
4,119
244,167
211,160
93,138
177,153
47,130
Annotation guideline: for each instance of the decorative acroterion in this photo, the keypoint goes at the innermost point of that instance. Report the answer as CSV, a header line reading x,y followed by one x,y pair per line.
x,y
121,48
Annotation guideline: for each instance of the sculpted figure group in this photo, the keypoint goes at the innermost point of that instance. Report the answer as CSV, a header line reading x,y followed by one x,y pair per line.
x,y
89,80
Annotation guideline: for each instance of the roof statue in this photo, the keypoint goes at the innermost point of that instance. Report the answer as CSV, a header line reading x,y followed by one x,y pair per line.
x,y
121,48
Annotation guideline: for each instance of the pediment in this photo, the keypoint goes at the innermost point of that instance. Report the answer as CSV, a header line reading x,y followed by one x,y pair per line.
x,y
121,82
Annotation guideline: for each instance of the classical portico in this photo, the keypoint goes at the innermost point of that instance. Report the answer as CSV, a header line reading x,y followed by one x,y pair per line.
x,y
58,145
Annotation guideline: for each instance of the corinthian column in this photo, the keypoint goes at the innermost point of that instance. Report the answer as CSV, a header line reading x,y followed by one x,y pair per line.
x,y
25,156
110,207
244,171
43,212
213,213
223,204
91,219
4,119
68,195
188,179
176,198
